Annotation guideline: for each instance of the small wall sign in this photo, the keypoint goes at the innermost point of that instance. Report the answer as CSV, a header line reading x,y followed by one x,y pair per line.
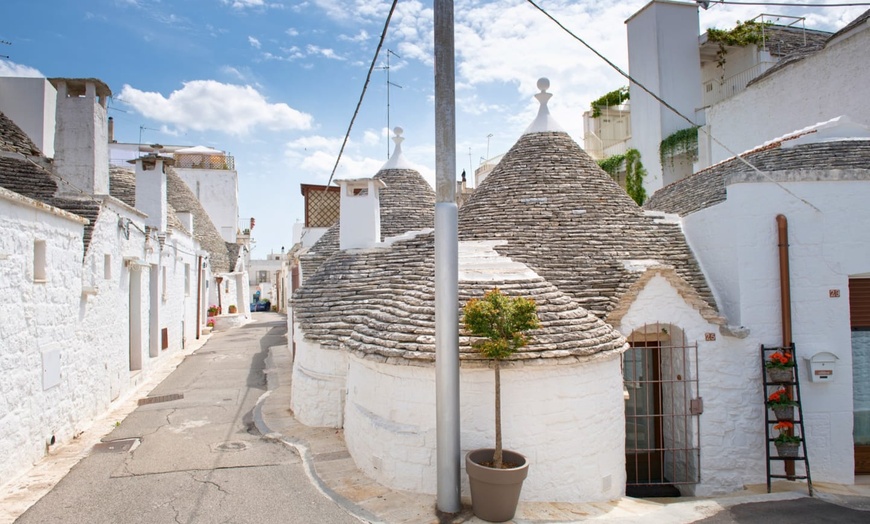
x,y
710,337
834,293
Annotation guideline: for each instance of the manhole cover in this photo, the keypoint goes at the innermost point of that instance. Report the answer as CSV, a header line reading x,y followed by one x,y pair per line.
x,y
232,445
116,446
162,398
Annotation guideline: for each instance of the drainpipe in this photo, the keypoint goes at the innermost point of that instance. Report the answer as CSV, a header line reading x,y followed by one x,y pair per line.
x,y
446,267
785,303
198,297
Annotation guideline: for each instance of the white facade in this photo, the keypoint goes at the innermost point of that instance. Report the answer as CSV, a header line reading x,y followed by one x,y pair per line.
x,y
663,55
566,419
736,243
32,104
218,192
815,89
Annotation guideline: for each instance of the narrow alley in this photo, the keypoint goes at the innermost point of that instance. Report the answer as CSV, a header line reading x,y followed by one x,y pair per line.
x,y
190,451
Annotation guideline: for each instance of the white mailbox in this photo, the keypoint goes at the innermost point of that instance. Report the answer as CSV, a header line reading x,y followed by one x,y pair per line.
x,y
821,366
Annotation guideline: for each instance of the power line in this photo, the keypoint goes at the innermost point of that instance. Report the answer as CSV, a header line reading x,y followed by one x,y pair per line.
x,y
667,105
362,95
706,4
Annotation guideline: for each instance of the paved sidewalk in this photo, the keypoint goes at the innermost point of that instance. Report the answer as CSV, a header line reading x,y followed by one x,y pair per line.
x,y
329,465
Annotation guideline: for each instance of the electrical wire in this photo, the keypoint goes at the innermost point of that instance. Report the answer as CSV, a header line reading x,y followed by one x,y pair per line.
x,y
786,4
669,106
363,94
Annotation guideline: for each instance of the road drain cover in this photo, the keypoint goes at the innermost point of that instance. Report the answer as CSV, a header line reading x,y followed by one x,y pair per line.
x,y
161,398
116,446
232,445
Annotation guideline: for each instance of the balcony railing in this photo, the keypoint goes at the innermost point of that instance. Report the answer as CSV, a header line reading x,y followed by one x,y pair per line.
x,y
716,90
197,161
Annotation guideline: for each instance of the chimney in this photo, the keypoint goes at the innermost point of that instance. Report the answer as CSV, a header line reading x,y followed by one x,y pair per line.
x,y
359,213
151,188
186,219
111,130
81,145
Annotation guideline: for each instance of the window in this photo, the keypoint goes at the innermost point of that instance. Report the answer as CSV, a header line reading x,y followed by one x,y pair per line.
x,y
107,266
262,276
187,280
39,261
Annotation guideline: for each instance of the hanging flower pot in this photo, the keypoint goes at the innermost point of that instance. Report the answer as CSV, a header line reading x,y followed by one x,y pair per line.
x,y
780,375
787,449
784,412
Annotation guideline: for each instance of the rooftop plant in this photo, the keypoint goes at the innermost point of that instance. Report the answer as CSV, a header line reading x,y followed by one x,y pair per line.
x,y
613,98
678,142
742,35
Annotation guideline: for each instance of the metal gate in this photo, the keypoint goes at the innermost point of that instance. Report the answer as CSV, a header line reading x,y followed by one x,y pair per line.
x,y
662,405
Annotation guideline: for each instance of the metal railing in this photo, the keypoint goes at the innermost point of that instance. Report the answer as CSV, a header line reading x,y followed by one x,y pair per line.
x,y
200,161
716,90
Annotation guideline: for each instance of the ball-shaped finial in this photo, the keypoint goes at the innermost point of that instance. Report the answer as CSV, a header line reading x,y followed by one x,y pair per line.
x,y
398,131
543,83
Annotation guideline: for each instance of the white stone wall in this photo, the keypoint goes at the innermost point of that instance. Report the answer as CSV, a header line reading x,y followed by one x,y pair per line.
x,y
81,144
82,310
815,89
218,192
825,249
37,317
566,419
319,377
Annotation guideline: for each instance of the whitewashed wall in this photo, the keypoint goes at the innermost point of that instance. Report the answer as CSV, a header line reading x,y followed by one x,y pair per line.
x,y
825,249
37,317
823,86
218,192
566,419
319,378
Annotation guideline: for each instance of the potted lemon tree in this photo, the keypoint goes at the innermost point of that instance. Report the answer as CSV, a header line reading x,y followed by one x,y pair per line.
x,y
496,475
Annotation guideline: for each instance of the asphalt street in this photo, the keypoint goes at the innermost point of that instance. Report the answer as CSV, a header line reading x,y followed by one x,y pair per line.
x,y
190,452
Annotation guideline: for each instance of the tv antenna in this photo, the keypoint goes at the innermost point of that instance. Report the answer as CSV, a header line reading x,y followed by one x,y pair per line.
x,y
5,42
389,84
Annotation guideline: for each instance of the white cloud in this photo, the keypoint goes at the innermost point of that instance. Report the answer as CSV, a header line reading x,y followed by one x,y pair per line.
x,y
9,68
372,137
254,42
210,105
232,71
242,4
360,37
292,32
324,52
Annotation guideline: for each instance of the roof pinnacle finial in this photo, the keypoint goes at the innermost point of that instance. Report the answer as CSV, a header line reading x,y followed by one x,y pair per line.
x,y
397,160
544,121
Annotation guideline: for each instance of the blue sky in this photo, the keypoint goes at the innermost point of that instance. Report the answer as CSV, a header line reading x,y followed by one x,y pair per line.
x,y
275,82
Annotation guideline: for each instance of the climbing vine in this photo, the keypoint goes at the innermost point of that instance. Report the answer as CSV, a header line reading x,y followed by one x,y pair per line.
x,y
743,34
611,164
634,173
613,98
682,141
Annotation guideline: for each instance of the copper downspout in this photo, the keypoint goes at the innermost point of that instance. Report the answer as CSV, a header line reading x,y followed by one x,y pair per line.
x,y
785,302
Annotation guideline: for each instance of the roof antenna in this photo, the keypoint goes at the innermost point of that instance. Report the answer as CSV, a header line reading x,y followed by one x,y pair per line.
x,y
387,68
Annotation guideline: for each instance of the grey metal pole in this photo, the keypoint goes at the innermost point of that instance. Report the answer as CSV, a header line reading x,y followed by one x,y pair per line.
x,y
446,266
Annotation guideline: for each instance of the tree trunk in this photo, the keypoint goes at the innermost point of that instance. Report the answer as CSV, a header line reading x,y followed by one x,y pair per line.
x,y
497,456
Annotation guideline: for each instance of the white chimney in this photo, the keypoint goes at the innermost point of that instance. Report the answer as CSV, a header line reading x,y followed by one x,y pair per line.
x,y
186,219
81,144
151,188
359,213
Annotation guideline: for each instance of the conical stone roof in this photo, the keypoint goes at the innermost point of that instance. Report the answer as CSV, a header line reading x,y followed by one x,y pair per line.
x,y
407,203
564,217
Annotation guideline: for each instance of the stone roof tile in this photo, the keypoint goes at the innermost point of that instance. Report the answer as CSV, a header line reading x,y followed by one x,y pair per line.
x,y
564,217
844,159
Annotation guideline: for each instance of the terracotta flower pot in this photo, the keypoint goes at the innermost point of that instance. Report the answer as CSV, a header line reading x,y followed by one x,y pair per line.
x,y
495,493
783,412
787,449
780,375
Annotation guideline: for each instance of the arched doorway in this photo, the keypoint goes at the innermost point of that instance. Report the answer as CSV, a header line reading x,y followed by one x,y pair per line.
x,y
660,372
